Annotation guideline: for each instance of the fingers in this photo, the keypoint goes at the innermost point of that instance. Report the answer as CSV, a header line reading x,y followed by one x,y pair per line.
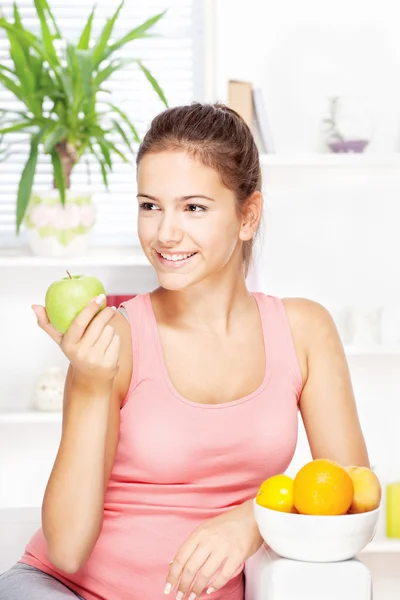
x,y
228,571
82,320
203,570
200,579
105,339
95,328
44,323
188,572
179,562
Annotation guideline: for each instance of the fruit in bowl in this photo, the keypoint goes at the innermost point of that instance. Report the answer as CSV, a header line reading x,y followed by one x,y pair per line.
x,y
367,489
277,493
330,514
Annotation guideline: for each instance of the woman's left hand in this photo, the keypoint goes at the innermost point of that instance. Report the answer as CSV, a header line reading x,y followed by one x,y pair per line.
x,y
221,544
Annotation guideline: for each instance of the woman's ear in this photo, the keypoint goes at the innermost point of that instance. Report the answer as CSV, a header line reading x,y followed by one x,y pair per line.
x,y
251,216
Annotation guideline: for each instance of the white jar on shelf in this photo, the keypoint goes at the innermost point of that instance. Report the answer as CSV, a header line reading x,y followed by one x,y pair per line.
x,y
48,391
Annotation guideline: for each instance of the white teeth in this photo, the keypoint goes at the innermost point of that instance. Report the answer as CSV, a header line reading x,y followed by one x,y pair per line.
x,y
176,257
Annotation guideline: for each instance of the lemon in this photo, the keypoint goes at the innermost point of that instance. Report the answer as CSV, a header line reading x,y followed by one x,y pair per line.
x,y
276,493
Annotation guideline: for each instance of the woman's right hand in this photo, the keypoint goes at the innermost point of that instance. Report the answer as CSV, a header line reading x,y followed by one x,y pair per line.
x,y
90,343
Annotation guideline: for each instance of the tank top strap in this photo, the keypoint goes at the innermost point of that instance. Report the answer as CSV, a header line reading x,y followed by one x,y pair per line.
x,y
281,356
144,355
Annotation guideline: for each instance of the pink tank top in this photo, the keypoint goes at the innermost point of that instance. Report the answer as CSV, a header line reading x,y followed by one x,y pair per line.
x,y
179,463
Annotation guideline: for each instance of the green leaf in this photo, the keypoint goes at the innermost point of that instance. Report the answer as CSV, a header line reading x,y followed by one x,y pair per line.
x,y
154,83
47,38
66,82
26,182
85,64
114,148
24,72
102,166
12,87
46,7
104,174
112,68
126,120
36,66
24,45
21,113
122,134
99,49
86,33
18,56
134,34
58,174
104,149
17,16
17,127
23,34
7,70
59,133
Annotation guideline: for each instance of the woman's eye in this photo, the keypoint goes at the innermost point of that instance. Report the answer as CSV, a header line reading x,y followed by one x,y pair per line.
x,y
196,208
147,206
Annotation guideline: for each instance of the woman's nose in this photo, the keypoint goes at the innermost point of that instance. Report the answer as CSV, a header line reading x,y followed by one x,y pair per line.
x,y
169,231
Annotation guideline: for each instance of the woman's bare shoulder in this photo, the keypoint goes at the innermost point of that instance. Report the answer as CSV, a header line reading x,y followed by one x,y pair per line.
x,y
305,312
307,319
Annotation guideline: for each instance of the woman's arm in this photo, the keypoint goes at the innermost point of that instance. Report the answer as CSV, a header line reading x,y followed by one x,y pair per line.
x,y
73,505
327,402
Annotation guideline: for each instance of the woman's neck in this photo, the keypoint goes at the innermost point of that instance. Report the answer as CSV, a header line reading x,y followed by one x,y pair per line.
x,y
208,307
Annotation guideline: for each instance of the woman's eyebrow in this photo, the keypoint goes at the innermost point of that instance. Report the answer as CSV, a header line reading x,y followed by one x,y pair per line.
x,y
180,199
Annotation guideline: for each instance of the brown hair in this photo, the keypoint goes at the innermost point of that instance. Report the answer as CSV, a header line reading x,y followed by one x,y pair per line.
x,y
220,138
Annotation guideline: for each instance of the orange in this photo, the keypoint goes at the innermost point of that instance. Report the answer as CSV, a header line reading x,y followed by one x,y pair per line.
x,y
323,487
276,493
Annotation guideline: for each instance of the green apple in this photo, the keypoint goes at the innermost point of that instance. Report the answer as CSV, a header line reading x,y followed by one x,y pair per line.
x,y
68,296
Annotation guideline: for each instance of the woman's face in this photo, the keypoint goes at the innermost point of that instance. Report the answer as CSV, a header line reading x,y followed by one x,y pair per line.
x,y
188,224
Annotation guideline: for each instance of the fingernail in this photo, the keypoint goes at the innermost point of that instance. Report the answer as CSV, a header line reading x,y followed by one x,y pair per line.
x,y
210,590
34,311
179,596
192,596
100,299
167,588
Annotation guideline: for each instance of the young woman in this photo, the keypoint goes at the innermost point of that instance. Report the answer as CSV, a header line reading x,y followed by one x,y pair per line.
x,y
179,405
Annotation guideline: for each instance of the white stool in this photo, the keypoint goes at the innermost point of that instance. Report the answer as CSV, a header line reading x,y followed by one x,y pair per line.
x,y
270,577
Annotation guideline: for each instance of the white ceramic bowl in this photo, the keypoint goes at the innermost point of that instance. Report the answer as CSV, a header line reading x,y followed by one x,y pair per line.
x,y
315,538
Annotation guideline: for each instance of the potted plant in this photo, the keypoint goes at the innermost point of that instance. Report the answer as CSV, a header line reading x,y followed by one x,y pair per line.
x,y
58,83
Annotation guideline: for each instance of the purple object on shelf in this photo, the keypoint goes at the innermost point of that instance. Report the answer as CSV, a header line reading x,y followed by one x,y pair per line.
x,y
356,146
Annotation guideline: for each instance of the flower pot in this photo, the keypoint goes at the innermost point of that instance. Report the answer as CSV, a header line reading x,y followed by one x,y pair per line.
x,y
57,230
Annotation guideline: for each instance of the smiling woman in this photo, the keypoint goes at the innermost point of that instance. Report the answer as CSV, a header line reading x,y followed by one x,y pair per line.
x,y
152,489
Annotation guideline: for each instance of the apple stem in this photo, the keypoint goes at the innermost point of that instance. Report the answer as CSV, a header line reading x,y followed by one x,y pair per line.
x,y
68,274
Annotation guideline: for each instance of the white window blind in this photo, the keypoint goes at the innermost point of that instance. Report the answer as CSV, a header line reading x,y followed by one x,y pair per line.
x,y
175,57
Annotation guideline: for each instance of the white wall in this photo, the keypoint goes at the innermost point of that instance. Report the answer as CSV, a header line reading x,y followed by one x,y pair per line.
x,y
302,52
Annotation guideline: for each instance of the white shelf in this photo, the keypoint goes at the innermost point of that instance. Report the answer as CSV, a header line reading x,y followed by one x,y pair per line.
x,y
382,545
372,350
391,161
29,417
130,256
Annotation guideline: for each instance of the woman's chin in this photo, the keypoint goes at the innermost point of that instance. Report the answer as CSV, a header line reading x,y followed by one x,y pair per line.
x,y
174,283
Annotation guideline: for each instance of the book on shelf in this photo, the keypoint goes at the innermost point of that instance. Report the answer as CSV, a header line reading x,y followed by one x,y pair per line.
x,y
249,103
